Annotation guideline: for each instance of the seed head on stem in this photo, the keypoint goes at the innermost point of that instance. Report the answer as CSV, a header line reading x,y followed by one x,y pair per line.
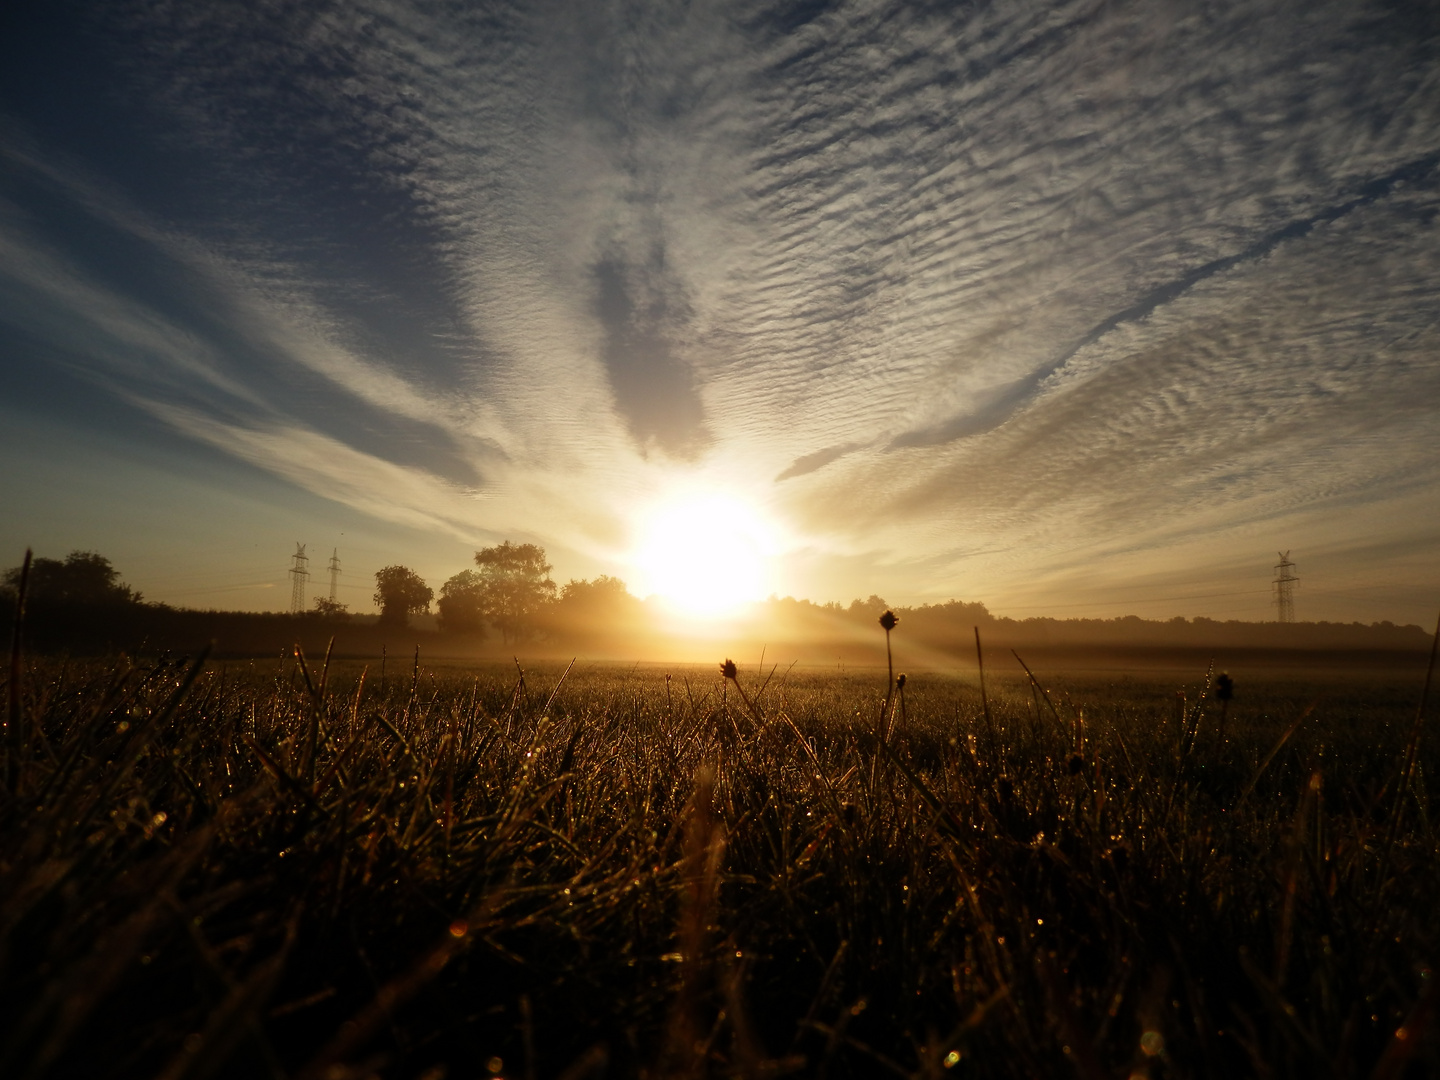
x,y
1224,692
889,621
731,673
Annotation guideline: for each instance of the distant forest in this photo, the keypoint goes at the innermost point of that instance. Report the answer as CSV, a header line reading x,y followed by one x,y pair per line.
x,y
79,605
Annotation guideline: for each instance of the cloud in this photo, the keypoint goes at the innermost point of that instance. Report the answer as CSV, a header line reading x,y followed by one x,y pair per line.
x,y
809,463
179,322
977,294
335,470
1002,405
654,388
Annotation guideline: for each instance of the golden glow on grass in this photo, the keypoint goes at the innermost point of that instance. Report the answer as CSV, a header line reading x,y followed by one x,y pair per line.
x,y
705,555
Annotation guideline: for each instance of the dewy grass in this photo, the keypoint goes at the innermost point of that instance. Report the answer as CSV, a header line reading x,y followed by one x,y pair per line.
x,y
219,871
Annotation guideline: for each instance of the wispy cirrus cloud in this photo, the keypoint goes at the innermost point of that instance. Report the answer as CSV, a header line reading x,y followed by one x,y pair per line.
x,y
1041,276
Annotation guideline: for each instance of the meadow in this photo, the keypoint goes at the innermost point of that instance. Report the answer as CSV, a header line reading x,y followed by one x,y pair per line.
x,y
321,870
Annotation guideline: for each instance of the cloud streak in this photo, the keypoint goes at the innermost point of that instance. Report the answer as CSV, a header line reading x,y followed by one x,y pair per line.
x,y
1013,398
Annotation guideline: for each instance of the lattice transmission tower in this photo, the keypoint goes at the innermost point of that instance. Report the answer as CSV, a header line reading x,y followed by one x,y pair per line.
x,y
1284,583
299,574
334,573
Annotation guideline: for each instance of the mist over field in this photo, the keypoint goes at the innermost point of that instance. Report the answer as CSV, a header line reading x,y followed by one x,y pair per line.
x,y
81,606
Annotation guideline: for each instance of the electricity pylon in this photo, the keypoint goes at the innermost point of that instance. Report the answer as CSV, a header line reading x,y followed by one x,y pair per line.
x,y
334,573
299,573
1284,583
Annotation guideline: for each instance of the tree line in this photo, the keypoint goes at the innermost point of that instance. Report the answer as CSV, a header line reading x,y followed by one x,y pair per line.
x,y
80,603
81,579
509,589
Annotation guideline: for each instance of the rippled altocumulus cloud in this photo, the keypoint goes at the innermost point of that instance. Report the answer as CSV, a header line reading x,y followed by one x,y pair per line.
x,y
991,294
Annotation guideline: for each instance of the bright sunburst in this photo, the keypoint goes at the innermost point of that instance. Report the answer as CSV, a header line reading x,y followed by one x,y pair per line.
x,y
705,555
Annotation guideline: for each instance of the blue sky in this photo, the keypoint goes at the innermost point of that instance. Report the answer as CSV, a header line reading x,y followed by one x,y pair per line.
x,y
1075,309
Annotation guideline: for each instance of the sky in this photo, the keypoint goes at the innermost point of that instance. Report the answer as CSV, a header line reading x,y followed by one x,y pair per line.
x,y
1076,309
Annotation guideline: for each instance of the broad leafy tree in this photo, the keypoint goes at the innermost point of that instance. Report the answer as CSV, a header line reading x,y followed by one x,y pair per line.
x,y
605,596
514,586
331,609
82,577
400,593
596,612
462,603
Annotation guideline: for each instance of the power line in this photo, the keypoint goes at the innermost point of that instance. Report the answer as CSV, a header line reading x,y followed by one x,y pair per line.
x,y
1094,604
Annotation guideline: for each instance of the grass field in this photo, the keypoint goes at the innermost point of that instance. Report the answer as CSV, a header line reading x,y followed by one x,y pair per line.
x,y
252,870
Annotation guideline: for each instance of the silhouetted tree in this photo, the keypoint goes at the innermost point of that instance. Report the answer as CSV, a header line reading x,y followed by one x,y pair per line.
x,y
462,603
400,593
82,578
868,609
331,609
600,611
594,598
514,585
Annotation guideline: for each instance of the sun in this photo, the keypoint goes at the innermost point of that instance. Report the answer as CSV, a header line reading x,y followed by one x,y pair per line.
x,y
705,555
